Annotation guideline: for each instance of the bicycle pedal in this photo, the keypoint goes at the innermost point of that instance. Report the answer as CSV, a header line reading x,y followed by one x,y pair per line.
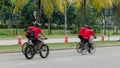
x,y
36,52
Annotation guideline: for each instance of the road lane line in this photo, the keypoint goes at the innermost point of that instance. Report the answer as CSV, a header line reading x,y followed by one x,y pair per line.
x,y
63,59
26,63
92,57
115,54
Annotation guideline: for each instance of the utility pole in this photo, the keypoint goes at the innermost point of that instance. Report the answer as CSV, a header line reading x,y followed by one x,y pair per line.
x,y
65,14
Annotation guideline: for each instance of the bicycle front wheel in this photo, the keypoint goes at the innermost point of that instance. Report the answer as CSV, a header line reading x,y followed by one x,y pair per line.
x,y
84,49
44,51
29,52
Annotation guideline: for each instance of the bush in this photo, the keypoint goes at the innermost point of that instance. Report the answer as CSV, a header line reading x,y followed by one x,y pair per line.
x,y
2,26
6,31
74,29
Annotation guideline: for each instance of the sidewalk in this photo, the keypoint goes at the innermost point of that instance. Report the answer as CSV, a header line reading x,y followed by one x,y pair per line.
x,y
58,40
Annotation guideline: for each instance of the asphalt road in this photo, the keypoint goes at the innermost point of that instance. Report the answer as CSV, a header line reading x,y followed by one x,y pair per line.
x,y
56,40
105,57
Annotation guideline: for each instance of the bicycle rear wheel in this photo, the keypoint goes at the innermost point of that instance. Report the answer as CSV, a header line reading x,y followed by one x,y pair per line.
x,y
24,46
29,52
44,51
78,47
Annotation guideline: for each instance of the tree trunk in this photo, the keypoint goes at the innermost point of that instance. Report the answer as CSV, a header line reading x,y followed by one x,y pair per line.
x,y
38,7
49,26
84,11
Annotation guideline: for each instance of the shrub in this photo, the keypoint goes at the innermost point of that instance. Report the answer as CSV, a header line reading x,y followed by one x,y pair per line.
x,y
2,26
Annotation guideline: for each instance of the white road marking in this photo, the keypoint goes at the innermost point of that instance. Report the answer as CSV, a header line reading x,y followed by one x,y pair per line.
x,y
27,63
63,59
115,54
92,57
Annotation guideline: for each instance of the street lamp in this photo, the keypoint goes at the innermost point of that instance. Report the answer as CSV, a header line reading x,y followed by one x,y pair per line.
x,y
107,13
65,14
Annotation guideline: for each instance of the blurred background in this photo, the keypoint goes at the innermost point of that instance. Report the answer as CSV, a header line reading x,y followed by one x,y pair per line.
x,y
58,17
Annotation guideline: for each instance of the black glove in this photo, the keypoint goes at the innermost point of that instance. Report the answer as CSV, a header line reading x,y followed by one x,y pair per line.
x,y
46,38
95,37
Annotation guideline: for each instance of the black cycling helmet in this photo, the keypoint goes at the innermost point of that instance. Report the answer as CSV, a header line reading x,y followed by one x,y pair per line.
x,y
89,27
32,24
37,25
85,25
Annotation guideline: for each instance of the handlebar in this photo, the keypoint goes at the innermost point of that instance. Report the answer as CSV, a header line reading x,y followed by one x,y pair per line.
x,y
43,38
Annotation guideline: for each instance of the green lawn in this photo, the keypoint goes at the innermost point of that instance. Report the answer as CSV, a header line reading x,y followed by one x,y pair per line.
x,y
13,33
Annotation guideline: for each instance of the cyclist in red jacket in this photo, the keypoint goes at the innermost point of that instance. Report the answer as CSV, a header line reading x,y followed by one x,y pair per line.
x,y
87,34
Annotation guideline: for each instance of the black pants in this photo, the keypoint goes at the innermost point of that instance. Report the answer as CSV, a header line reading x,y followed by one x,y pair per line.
x,y
87,41
35,41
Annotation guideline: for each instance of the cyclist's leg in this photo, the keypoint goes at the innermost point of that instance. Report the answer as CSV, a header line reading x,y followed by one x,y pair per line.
x,y
90,44
86,41
80,37
39,43
34,42
28,37
83,43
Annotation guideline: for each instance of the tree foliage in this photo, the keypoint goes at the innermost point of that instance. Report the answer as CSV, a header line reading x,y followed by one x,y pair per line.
x,y
5,10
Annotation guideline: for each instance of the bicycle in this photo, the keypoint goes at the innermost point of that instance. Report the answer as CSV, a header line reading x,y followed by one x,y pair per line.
x,y
83,48
30,49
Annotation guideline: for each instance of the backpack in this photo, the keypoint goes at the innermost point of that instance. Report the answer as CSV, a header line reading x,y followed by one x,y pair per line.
x,y
30,34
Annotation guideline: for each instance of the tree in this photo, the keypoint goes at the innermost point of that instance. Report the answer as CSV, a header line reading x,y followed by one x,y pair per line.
x,y
71,15
97,4
44,4
25,15
5,11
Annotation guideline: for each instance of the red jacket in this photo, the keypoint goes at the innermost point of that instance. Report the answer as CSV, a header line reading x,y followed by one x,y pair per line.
x,y
37,31
81,31
88,33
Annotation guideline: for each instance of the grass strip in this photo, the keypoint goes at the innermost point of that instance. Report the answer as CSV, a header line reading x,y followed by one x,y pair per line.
x,y
8,48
